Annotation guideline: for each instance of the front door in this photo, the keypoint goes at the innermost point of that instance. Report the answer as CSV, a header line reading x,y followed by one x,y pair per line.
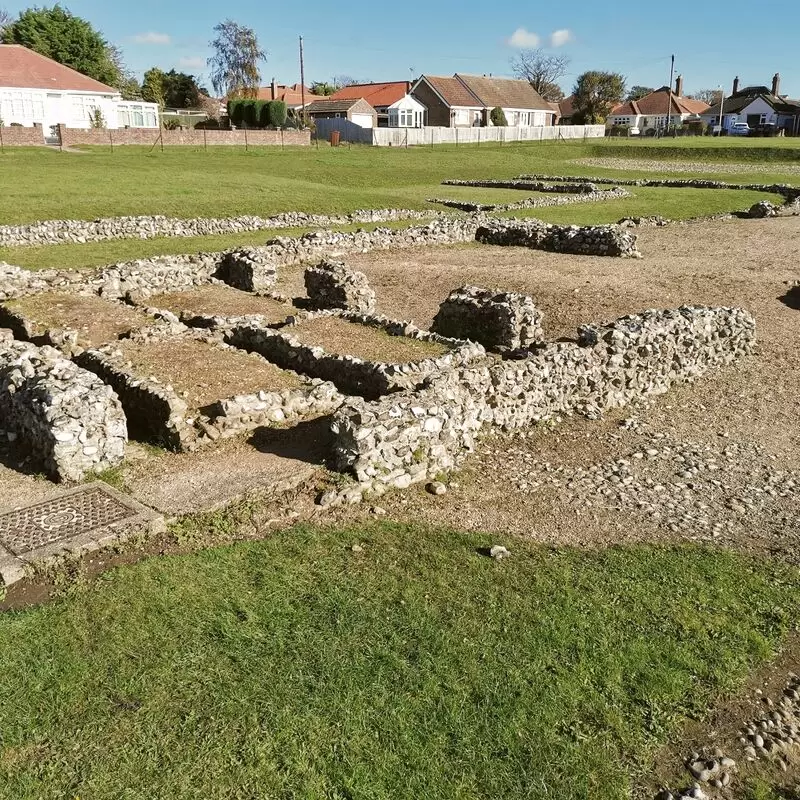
x,y
52,117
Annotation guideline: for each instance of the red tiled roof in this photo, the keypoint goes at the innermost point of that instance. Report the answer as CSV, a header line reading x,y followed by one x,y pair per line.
x,y
21,68
376,94
291,95
657,102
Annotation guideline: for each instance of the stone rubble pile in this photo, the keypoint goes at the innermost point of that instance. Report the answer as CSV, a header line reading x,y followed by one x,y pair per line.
x,y
71,422
401,439
59,231
138,280
596,240
500,321
654,221
250,269
352,375
599,196
332,284
763,210
18,282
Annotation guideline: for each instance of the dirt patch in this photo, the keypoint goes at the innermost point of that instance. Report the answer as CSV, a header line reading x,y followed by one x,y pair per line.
x,y
340,337
721,728
223,301
203,373
97,321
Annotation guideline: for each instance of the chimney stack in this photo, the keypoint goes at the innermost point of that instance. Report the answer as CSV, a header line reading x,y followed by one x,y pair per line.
x,y
679,86
776,84
273,89
735,84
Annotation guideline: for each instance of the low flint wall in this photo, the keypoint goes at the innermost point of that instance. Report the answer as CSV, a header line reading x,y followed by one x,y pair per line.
x,y
350,374
409,437
71,137
71,422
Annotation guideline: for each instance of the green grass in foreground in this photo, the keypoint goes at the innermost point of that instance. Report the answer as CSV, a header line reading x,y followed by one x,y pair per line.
x,y
187,182
296,668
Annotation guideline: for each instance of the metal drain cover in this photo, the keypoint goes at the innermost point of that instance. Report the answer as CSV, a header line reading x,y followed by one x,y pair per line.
x,y
76,520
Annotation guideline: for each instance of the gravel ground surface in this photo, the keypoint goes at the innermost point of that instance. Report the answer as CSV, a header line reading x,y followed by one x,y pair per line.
x,y
687,167
712,461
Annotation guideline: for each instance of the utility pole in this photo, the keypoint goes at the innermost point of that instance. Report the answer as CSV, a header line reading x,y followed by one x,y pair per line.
x,y
671,78
302,85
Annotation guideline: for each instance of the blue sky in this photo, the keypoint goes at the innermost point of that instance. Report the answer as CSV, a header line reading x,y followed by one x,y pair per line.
x,y
712,40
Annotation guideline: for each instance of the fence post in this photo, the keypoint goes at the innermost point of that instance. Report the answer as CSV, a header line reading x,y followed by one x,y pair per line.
x,y
205,142
111,139
161,139
431,138
406,138
456,137
281,138
2,146
245,140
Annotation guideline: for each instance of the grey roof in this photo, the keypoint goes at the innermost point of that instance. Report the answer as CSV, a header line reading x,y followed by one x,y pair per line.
x,y
322,106
739,101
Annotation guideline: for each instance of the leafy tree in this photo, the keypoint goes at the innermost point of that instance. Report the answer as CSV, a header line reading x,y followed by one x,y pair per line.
x,y
596,93
127,82
72,41
276,113
638,92
181,90
710,96
322,88
209,106
153,86
542,70
498,117
234,65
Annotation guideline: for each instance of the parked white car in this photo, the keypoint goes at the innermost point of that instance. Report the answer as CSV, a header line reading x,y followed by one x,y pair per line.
x,y
739,129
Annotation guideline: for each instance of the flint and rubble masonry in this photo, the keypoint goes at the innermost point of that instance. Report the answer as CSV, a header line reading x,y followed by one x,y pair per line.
x,y
409,437
157,412
350,374
70,421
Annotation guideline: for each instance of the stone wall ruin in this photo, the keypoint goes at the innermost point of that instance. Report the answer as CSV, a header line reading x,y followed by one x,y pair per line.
x,y
69,420
332,285
500,321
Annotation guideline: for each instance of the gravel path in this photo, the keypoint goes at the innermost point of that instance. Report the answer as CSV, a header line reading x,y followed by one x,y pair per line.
x,y
687,167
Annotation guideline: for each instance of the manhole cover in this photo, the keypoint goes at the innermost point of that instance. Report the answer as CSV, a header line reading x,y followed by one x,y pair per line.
x,y
63,518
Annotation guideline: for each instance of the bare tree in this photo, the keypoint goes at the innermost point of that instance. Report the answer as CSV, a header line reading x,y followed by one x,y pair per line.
x,y
710,96
5,19
234,65
340,81
542,70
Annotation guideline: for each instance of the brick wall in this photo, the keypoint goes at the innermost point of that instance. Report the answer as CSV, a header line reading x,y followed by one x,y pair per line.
x,y
17,136
150,136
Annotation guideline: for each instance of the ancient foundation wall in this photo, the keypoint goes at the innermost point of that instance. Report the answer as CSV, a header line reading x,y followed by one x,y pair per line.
x,y
408,437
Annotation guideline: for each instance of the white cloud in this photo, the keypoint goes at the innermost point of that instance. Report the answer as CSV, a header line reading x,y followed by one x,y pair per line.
x,y
151,37
192,63
560,37
523,38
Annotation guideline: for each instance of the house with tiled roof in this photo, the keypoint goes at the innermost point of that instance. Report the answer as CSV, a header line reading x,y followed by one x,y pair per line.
x,y
295,96
467,101
38,91
392,101
658,110
566,110
756,105
357,111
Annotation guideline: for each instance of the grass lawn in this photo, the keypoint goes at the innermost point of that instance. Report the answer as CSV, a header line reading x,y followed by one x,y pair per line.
x,y
186,182
294,667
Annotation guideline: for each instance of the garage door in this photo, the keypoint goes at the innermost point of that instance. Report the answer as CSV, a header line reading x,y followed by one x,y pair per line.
x,y
364,120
